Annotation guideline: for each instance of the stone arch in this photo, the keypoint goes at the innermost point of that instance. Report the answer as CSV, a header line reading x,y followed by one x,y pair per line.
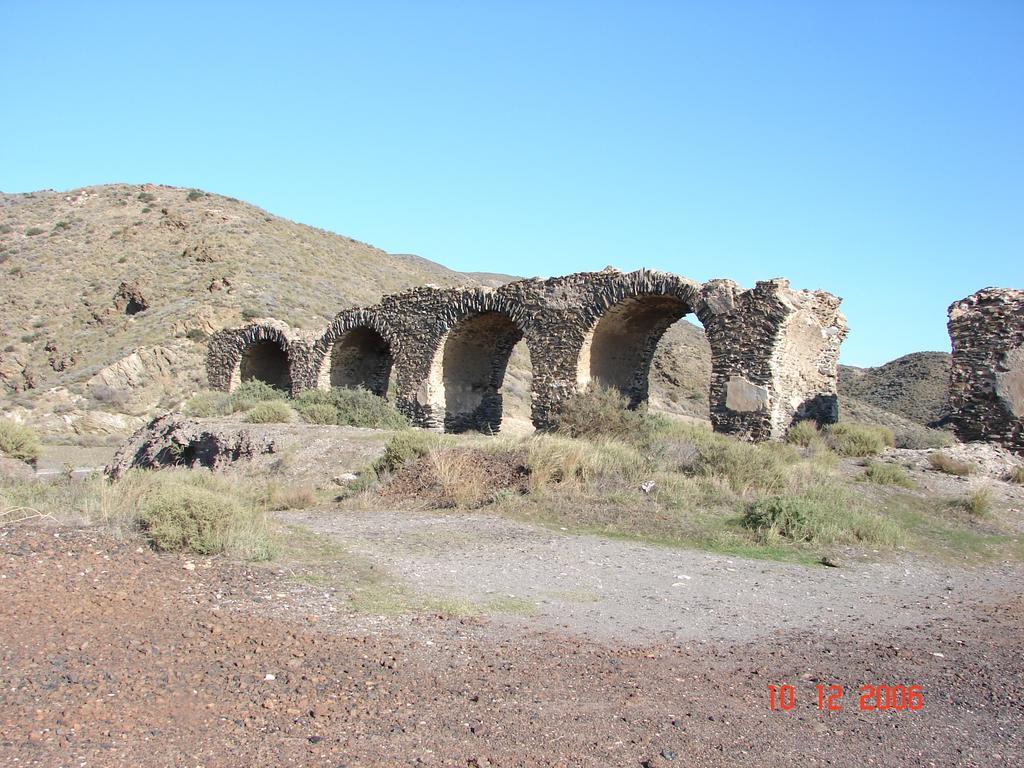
x,y
265,361
631,314
468,370
356,350
262,351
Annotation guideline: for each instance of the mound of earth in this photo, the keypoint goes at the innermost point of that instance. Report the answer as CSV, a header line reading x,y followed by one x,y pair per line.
x,y
309,453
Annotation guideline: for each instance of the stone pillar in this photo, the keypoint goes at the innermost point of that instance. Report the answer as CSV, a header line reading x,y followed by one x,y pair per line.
x,y
986,380
774,357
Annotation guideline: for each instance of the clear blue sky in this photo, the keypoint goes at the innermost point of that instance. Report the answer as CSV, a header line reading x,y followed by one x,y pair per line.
x,y
873,149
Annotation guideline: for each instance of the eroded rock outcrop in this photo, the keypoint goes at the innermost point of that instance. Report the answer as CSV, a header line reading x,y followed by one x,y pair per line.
x,y
173,440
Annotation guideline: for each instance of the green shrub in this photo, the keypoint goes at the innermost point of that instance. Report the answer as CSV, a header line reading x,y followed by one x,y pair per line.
x,y
946,463
603,412
317,413
405,447
360,408
746,467
194,511
194,195
349,407
270,412
257,391
33,231
887,474
19,442
803,433
823,513
852,439
205,404
924,438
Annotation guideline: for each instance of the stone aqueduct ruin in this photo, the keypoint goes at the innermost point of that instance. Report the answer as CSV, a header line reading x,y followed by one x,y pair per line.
x,y
986,382
774,350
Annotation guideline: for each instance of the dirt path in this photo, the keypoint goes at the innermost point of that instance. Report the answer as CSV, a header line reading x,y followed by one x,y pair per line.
x,y
113,655
626,592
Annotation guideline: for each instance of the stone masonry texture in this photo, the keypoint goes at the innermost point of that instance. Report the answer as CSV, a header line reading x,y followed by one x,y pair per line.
x,y
774,350
986,380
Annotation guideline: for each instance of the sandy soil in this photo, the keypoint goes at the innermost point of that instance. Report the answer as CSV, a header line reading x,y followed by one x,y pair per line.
x,y
115,656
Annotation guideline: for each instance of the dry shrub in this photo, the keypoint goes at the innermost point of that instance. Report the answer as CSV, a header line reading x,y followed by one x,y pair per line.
x,y
946,463
1016,475
290,496
460,477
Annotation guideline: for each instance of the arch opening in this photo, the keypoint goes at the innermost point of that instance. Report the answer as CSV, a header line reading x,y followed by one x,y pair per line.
x,y
359,358
471,371
266,361
618,351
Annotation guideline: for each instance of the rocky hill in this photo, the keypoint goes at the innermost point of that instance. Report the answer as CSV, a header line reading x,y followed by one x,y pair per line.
x,y
111,292
913,386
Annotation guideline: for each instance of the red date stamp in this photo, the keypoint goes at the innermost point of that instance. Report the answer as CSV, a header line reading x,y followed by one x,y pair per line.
x,y
873,698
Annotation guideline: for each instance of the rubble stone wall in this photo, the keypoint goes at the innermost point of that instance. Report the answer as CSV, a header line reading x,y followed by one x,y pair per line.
x,y
774,350
986,380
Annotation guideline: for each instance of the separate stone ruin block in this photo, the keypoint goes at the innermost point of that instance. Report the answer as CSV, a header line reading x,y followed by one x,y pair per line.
x,y
774,350
986,380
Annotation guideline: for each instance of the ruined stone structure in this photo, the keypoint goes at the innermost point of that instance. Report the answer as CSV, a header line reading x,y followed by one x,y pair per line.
x,y
986,382
774,350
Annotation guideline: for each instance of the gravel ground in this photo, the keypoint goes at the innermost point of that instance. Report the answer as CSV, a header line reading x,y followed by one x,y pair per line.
x,y
115,656
631,593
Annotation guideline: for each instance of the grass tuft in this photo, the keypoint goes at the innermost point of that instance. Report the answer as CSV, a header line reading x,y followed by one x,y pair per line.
x,y
803,433
852,439
887,474
977,502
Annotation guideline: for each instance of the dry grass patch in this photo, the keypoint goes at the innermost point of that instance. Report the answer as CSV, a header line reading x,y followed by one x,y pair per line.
x,y
460,477
282,497
946,463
